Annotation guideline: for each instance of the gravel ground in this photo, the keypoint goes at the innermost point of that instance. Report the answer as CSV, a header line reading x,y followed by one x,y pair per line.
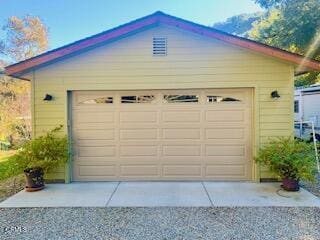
x,y
313,187
160,223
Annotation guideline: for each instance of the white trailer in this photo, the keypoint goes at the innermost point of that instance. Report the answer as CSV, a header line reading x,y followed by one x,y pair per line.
x,y
307,105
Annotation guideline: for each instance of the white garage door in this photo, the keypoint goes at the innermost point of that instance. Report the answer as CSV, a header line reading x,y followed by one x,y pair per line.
x,y
162,135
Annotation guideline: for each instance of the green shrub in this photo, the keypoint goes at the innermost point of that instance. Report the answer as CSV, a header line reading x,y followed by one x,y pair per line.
x,y
289,158
5,169
47,152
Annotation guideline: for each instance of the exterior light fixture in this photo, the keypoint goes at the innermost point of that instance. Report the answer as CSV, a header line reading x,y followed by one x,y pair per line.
x,y
275,95
47,97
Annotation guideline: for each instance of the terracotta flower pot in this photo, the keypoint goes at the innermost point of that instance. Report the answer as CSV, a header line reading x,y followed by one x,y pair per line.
x,y
291,185
34,179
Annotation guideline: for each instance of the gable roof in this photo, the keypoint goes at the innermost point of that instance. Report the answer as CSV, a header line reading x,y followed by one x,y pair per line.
x,y
149,21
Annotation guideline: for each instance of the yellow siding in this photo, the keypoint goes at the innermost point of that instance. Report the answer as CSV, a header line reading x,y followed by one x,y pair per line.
x,y
193,61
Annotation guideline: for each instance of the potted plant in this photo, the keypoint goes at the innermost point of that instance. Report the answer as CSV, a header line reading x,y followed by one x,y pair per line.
x,y
39,156
290,159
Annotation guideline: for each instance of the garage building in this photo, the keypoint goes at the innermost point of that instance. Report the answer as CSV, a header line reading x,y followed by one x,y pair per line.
x,y
162,98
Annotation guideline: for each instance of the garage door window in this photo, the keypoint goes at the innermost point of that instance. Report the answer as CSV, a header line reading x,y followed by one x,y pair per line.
x,y
217,99
138,99
101,100
180,98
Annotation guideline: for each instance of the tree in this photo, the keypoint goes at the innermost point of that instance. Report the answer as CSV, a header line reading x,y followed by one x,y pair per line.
x,y
292,25
239,24
270,3
24,38
15,125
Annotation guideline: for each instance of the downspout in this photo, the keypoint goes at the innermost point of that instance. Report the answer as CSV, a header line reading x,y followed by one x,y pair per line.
x,y
32,88
301,113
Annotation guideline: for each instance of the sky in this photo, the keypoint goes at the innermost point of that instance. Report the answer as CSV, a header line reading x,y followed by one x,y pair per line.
x,y
72,20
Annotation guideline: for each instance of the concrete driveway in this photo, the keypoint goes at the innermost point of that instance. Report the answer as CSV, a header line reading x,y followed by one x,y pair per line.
x,y
154,194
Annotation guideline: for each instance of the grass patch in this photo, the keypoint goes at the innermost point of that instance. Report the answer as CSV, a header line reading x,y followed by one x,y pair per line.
x,y
5,163
9,185
4,166
4,155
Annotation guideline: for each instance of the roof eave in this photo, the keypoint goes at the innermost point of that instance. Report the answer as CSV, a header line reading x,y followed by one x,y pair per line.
x,y
159,17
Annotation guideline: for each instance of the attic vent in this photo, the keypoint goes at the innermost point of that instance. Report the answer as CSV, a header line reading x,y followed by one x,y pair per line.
x,y
159,46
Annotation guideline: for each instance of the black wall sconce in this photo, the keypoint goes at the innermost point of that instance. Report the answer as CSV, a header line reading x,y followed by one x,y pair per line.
x,y
275,95
47,97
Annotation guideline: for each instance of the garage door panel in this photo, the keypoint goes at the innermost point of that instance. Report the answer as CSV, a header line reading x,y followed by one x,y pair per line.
x,y
162,139
95,178
90,108
224,133
141,116
225,160
137,134
94,117
136,125
180,160
229,170
181,133
97,161
94,126
218,150
231,106
93,143
225,142
226,125
138,150
139,170
181,116
99,134
97,170
176,150
145,142
182,170
139,160
102,151
228,116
